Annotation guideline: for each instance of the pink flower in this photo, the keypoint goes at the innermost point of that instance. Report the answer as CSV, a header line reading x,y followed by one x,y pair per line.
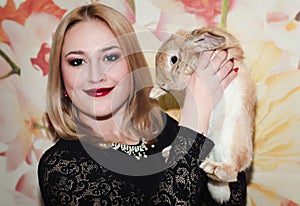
x,y
27,185
206,9
22,110
41,62
207,12
19,13
21,123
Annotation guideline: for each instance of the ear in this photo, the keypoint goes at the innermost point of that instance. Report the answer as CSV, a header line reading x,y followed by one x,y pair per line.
x,y
205,41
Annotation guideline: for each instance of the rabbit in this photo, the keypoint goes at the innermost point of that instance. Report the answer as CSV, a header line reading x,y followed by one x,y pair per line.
x,y
231,125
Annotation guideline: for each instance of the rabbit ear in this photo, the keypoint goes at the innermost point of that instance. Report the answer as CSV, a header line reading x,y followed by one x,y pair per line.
x,y
205,41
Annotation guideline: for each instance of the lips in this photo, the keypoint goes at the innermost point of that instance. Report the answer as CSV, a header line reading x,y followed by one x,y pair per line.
x,y
98,92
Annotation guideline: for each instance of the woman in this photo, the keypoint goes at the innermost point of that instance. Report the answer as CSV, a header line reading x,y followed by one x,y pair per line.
x,y
112,136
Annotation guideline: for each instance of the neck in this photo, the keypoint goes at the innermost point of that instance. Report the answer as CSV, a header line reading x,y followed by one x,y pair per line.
x,y
109,128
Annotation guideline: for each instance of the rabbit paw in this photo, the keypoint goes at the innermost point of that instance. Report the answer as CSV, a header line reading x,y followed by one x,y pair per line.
x,y
222,172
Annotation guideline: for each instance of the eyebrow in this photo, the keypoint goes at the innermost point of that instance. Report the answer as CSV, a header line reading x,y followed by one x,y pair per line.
x,y
102,50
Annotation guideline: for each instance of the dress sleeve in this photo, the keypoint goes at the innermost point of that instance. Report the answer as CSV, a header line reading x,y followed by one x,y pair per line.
x,y
185,182
64,177
56,178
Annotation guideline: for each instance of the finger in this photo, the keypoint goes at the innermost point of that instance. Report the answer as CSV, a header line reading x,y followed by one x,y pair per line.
x,y
204,60
225,69
218,60
230,77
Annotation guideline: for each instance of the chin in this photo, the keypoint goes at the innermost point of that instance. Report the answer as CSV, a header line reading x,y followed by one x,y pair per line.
x,y
102,114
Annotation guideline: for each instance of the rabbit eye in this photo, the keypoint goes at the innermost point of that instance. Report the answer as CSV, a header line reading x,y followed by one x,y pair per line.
x,y
174,59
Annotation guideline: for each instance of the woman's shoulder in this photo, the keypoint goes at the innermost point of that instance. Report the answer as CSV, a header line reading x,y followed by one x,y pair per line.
x,y
168,133
61,150
170,126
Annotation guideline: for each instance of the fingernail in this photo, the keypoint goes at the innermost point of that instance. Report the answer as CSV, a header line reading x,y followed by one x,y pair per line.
x,y
236,69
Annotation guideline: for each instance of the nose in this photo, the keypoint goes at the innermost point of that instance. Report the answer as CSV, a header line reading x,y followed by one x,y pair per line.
x,y
96,71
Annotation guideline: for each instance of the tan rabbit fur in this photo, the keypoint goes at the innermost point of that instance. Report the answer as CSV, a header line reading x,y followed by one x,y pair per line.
x,y
231,124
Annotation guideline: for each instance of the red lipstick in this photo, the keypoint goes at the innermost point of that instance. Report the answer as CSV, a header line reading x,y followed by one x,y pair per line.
x,y
98,92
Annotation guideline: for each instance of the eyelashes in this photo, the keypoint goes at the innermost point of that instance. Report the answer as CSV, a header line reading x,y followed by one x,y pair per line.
x,y
76,62
108,58
111,57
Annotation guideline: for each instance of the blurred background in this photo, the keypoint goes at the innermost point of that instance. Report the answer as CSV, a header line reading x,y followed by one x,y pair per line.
x,y
269,32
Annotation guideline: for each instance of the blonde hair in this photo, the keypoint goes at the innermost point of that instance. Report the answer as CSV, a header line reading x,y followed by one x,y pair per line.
x,y
145,121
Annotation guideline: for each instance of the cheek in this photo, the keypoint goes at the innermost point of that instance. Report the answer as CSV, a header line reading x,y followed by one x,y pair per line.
x,y
71,78
121,72
122,76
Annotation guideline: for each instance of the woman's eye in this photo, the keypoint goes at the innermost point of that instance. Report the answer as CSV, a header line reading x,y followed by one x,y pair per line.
x,y
111,57
76,62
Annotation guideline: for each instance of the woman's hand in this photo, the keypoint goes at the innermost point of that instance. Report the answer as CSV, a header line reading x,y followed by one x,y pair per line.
x,y
205,89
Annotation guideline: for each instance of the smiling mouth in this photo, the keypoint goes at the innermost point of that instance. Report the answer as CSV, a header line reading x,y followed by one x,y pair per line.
x,y
98,92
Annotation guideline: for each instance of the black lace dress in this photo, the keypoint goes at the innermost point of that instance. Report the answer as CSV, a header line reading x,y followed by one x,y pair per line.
x,y
80,173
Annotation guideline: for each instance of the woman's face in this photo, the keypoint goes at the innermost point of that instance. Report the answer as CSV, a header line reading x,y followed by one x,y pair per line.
x,y
95,72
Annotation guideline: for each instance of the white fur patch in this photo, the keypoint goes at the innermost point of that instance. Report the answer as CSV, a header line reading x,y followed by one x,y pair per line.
x,y
156,92
220,191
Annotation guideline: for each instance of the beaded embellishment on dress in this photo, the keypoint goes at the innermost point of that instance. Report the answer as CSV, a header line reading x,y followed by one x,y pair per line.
x,y
138,150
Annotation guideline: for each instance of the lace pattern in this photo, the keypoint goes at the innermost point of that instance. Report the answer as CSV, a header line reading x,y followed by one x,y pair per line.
x,y
69,176
182,183
74,179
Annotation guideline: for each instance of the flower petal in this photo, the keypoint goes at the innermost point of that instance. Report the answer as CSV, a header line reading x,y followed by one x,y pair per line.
x,y
10,114
18,149
27,185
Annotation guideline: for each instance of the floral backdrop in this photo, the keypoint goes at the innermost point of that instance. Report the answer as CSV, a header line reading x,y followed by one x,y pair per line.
x,y
269,32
